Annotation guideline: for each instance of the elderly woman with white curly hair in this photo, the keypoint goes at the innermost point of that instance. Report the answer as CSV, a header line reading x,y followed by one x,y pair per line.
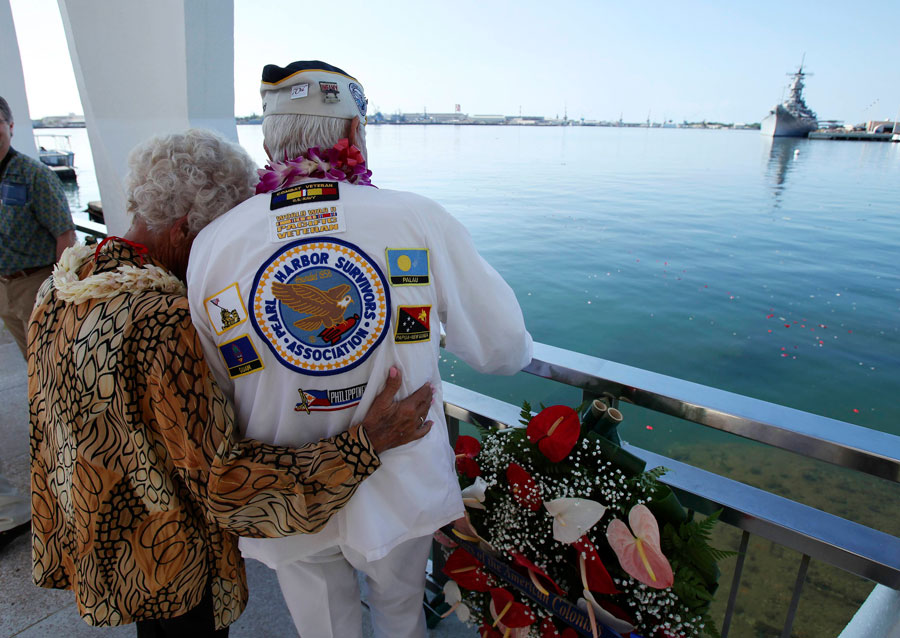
x,y
140,481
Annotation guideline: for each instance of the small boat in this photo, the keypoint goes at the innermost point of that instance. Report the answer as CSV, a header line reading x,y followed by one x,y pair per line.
x,y
56,152
791,118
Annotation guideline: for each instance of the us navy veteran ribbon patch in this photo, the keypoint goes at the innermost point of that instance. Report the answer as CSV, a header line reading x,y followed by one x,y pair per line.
x,y
240,357
408,266
309,193
321,306
413,324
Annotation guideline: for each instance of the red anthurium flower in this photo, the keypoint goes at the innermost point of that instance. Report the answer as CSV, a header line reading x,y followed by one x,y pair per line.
x,y
486,631
555,430
534,569
467,448
523,487
593,573
548,629
466,570
508,612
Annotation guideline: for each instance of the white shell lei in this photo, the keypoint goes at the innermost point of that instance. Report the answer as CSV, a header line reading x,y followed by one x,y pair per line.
x,y
107,284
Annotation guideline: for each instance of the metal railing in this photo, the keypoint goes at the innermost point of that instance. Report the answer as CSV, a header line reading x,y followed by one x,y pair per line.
x,y
845,544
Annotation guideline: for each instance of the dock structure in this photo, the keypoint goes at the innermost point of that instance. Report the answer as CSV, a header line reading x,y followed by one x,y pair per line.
x,y
65,173
855,136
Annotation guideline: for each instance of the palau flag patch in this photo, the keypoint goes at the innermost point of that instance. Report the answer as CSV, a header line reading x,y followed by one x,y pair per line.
x,y
413,324
408,266
240,357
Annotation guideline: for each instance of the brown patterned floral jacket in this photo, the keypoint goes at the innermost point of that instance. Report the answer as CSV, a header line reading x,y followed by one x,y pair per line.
x,y
139,482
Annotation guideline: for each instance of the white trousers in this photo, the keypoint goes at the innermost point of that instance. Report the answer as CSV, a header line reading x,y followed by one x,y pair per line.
x,y
322,592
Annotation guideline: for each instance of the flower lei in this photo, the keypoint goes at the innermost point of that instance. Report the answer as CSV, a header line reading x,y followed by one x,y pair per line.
x,y
342,162
126,278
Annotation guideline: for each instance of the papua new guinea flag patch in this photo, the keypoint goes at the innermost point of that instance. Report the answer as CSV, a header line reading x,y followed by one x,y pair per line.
x,y
413,324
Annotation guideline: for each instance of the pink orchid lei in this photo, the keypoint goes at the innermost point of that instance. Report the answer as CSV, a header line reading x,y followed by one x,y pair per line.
x,y
342,162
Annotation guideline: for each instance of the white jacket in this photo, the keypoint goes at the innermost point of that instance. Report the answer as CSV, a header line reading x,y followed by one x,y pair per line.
x,y
300,331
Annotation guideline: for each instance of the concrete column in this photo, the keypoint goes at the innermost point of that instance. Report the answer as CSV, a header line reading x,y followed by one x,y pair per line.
x,y
145,69
12,83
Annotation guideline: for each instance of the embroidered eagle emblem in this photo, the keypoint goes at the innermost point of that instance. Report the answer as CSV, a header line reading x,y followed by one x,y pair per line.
x,y
324,307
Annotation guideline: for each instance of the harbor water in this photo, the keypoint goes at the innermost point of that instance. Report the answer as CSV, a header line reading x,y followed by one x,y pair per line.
x,y
762,267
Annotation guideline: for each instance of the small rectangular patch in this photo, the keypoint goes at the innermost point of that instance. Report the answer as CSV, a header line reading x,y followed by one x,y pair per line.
x,y
413,324
408,266
309,193
12,194
329,400
299,90
315,220
226,309
329,91
240,357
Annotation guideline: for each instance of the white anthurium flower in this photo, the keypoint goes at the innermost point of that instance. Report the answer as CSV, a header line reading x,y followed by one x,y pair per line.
x,y
473,496
453,597
617,624
573,517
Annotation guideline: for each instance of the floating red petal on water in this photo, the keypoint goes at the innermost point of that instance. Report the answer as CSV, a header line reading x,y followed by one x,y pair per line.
x,y
850,331
649,427
784,348
705,286
787,325
770,331
821,342
784,354
855,410
769,316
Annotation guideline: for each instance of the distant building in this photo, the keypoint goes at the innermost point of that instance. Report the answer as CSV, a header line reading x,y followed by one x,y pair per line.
x,y
488,119
882,126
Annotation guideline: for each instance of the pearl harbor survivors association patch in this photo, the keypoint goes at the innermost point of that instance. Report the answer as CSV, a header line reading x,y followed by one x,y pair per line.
x,y
320,306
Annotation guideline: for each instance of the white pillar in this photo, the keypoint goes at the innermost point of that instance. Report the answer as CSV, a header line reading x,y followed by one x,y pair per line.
x,y
12,83
144,69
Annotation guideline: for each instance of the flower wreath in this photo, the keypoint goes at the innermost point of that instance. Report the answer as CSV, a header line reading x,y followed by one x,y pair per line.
x,y
580,517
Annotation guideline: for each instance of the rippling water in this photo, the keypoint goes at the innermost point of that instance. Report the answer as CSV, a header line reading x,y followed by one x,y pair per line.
x,y
764,268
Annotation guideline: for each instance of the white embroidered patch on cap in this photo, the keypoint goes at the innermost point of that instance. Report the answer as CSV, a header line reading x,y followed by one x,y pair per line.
x,y
299,90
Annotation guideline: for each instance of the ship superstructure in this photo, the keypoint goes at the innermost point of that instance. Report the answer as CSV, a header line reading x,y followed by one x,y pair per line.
x,y
791,118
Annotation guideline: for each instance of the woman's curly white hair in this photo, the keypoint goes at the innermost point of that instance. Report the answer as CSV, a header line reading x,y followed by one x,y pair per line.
x,y
196,173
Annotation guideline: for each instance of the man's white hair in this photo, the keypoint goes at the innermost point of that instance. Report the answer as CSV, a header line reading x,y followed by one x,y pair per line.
x,y
288,135
196,173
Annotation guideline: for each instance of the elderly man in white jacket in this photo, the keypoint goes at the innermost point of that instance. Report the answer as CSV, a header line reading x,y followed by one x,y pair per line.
x,y
304,296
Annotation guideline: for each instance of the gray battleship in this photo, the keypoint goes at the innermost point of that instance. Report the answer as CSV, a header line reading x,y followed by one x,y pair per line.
x,y
791,118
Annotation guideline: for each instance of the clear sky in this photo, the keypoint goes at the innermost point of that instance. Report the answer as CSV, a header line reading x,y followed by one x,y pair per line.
x,y
719,61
